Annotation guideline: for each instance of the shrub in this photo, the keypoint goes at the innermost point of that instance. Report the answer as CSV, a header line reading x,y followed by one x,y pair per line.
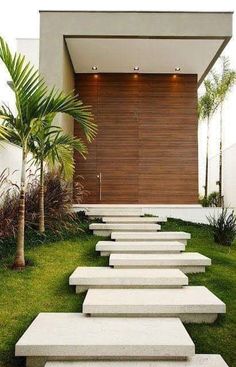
x,y
9,200
224,227
213,200
59,197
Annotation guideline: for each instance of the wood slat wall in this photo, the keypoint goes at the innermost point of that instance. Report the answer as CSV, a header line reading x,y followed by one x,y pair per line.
x,y
146,147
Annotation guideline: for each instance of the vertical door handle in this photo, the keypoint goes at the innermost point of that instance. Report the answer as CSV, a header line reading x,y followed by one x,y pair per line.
x,y
99,176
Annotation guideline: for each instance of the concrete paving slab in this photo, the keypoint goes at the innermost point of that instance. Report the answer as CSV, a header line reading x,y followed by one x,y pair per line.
x,y
151,236
105,277
190,303
134,219
199,360
188,262
73,335
110,247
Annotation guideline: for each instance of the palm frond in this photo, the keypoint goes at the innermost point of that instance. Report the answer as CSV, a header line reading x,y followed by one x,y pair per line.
x,y
27,85
208,102
224,79
59,102
35,103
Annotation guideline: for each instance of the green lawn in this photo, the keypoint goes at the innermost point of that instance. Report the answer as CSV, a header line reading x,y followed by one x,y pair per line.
x,y
43,287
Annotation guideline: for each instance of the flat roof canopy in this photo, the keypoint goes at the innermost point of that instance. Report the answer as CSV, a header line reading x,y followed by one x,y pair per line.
x,y
155,42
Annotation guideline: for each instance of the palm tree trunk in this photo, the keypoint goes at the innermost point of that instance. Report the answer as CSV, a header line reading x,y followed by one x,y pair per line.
x,y
207,159
41,199
19,262
221,155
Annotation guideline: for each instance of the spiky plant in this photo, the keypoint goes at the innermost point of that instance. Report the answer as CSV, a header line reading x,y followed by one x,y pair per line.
x,y
223,226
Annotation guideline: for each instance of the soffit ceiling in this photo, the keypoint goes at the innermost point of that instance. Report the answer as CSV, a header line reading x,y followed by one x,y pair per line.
x,y
121,55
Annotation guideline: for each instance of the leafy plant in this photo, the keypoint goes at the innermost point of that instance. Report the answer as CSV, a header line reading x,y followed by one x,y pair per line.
x,y
211,201
224,227
35,104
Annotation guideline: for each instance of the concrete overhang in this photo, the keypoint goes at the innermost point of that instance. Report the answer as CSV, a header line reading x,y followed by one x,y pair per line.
x,y
155,42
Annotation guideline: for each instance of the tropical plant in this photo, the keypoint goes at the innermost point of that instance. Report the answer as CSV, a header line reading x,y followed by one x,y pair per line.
x,y
53,147
34,104
224,227
223,83
207,106
212,200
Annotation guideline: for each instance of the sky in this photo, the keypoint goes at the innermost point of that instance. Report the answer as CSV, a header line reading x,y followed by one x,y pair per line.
x,y
20,19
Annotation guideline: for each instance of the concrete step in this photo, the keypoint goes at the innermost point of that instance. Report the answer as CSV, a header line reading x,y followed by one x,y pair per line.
x,y
105,229
199,360
134,219
114,247
104,277
188,262
75,336
151,236
98,212
191,303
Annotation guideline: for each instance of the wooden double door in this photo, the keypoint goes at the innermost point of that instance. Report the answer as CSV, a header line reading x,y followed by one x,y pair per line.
x,y
146,147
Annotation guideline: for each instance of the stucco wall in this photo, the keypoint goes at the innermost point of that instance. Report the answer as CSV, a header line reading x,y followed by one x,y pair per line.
x,y
10,160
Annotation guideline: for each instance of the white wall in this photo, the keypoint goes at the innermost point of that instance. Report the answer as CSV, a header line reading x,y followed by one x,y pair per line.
x,y
10,159
229,150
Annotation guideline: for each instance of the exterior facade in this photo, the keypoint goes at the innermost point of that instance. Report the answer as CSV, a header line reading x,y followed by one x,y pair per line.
x,y
140,72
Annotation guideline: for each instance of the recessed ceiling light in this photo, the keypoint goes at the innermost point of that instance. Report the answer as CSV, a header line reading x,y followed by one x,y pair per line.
x,y
136,68
177,68
94,67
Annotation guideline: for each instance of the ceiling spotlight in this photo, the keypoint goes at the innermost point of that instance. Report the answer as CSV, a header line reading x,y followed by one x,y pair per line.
x,y
177,68
136,68
94,67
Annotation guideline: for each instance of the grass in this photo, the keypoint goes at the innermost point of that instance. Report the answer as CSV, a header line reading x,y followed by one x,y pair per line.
x,y
43,287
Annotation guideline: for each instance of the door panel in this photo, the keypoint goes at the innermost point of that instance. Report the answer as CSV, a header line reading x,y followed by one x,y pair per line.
x,y
146,146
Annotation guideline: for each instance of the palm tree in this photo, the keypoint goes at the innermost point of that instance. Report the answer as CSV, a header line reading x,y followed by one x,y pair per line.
x,y
207,106
34,104
51,146
223,83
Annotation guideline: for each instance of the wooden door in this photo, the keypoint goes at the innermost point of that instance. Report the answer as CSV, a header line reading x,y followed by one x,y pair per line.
x,y
146,147
110,172
117,140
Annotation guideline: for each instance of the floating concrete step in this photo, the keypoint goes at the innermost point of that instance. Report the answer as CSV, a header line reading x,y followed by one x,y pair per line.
x,y
105,229
104,277
199,360
98,212
75,336
190,304
188,262
151,236
134,219
114,247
